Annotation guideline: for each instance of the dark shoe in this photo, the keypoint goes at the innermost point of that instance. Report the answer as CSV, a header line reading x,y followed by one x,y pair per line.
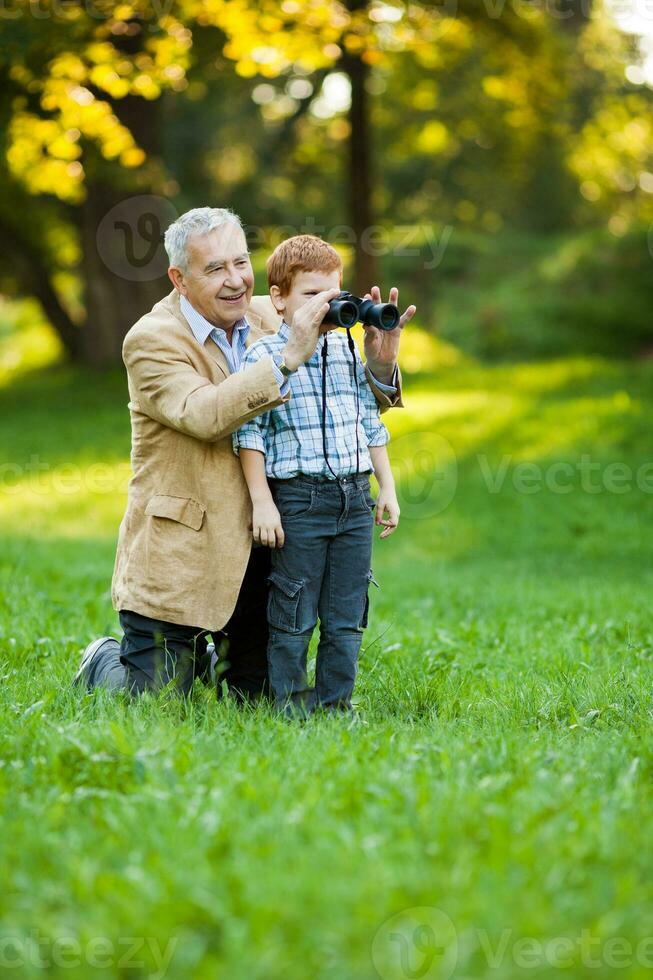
x,y
93,653
206,668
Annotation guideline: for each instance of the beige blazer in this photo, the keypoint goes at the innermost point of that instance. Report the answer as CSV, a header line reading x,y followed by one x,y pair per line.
x,y
185,539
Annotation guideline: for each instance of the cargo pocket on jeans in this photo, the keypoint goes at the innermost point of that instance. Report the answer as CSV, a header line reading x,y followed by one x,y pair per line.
x,y
283,602
366,605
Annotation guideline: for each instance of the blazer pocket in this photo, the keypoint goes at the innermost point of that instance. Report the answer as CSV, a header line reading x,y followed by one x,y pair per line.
x,y
183,510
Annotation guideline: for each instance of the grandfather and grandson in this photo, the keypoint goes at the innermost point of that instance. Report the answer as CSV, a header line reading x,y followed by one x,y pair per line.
x,y
185,568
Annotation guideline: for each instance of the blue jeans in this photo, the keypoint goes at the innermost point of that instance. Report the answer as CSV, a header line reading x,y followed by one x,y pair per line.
x,y
322,570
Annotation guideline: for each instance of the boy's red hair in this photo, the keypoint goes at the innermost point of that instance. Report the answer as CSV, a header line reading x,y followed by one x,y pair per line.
x,y
302,253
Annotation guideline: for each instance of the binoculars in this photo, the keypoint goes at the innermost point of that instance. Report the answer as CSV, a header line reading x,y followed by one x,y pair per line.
x,y
346,310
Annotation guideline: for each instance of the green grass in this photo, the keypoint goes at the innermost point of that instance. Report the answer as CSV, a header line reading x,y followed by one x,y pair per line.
x,y
501,769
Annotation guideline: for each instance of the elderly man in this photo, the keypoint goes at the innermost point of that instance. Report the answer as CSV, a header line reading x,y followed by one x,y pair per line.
x,y
185,568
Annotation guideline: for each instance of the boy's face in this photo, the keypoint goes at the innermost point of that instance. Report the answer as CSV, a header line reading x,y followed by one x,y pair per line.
x,y
305,285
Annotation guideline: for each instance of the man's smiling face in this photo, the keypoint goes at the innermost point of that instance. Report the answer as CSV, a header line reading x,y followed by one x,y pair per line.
x,y
219,280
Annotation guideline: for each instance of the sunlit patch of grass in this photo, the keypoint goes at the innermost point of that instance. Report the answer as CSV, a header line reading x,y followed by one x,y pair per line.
x,y
66,499
423,352
27,341
552,375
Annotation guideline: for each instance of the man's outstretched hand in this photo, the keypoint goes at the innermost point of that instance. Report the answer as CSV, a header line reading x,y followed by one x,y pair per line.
x,y
382,346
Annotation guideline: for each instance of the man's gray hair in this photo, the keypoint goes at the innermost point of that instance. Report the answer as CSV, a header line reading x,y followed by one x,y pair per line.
x,y
199,221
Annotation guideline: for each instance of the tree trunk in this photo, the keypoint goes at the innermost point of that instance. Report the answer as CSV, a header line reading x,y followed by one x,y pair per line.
x,y
359,177
121,232
69,333
123,274
122,269
23,255
577,15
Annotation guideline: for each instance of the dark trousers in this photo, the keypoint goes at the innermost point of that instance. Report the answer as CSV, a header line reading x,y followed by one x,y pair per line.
x,y
154,653
322,570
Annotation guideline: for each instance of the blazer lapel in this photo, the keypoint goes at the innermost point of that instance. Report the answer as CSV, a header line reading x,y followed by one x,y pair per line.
x,y
210,346
254,328
216,355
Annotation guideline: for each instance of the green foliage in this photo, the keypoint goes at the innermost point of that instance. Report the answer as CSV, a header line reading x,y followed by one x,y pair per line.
x,y
500,767
517,296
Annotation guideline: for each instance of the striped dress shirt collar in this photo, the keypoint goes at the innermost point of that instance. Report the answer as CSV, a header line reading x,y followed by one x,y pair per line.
x,y
202,330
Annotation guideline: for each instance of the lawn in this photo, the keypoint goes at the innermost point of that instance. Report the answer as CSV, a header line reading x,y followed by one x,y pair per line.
x,y
488,814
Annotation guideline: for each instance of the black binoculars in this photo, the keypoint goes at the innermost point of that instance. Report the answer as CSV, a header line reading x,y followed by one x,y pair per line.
x,y
346,310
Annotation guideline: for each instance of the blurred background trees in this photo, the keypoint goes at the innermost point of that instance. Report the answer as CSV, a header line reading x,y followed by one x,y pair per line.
x,y
507,143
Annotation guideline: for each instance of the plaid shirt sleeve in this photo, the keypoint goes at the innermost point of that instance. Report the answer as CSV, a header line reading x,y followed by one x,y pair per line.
x,y
375,431
251,435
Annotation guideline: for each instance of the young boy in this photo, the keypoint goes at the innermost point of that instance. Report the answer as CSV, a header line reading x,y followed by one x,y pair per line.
x,y
307,464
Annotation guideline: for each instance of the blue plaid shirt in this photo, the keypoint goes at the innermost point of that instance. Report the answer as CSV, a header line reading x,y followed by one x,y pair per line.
x,y
290,435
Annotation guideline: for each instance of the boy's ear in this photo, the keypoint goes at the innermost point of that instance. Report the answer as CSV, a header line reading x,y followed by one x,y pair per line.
x,y
278,301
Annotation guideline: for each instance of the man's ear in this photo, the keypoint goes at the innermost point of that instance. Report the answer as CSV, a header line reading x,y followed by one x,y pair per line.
x,y
278,301
176,277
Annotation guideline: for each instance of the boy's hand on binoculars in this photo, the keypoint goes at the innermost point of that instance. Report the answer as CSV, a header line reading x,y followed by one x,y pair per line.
x,y
305,328
266,525
387,512
382,346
